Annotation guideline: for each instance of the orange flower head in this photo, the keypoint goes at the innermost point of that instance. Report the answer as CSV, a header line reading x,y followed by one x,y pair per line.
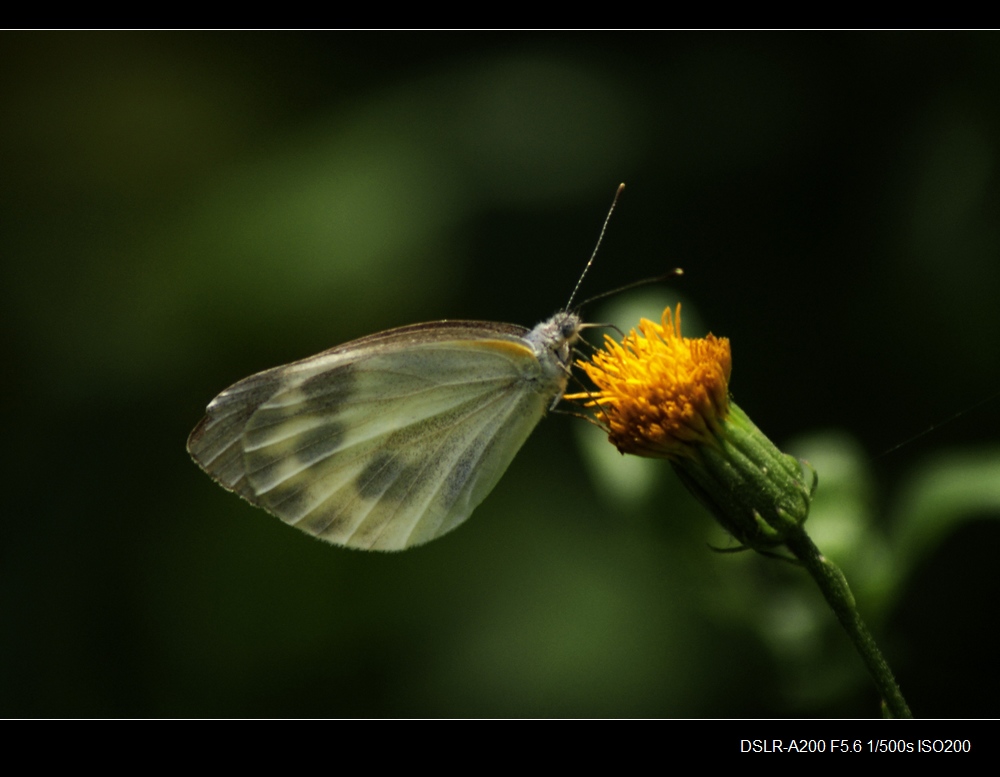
x,y
660,394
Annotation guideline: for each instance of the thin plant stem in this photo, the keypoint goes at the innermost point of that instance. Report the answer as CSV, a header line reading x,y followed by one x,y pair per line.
x,y
837,593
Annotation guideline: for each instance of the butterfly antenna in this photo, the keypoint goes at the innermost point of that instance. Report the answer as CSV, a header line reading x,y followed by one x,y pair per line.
x,y
621,188
674,273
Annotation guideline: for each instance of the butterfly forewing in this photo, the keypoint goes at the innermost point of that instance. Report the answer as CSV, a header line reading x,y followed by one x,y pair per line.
x,y
383,443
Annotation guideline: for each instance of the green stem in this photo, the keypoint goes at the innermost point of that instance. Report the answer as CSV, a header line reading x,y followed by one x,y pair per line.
x,y
838,595
762,497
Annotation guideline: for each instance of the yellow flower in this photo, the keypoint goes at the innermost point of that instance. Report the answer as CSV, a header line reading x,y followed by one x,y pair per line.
x,y
660,394
663,395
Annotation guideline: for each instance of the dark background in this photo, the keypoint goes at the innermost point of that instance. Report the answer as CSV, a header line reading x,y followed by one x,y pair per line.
x,y
183,209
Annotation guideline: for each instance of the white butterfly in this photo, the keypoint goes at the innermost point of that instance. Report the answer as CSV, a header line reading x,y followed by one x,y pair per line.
x,y
392,440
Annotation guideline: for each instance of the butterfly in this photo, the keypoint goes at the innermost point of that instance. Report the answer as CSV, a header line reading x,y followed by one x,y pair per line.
x,y
392,440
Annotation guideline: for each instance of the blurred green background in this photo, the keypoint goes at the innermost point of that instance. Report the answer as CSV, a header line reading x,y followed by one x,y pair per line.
x,y
183,209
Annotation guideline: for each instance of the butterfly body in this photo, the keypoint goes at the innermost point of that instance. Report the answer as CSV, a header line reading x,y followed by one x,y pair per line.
x,y
391,440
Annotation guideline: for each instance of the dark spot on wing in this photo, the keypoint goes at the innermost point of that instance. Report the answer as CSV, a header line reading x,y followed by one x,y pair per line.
x,y
386,478
378,476
289,503
459,476
403,485
323,526
319,443
326,392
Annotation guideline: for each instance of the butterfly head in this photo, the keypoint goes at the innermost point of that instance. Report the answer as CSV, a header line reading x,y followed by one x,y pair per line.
x,y
552,342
